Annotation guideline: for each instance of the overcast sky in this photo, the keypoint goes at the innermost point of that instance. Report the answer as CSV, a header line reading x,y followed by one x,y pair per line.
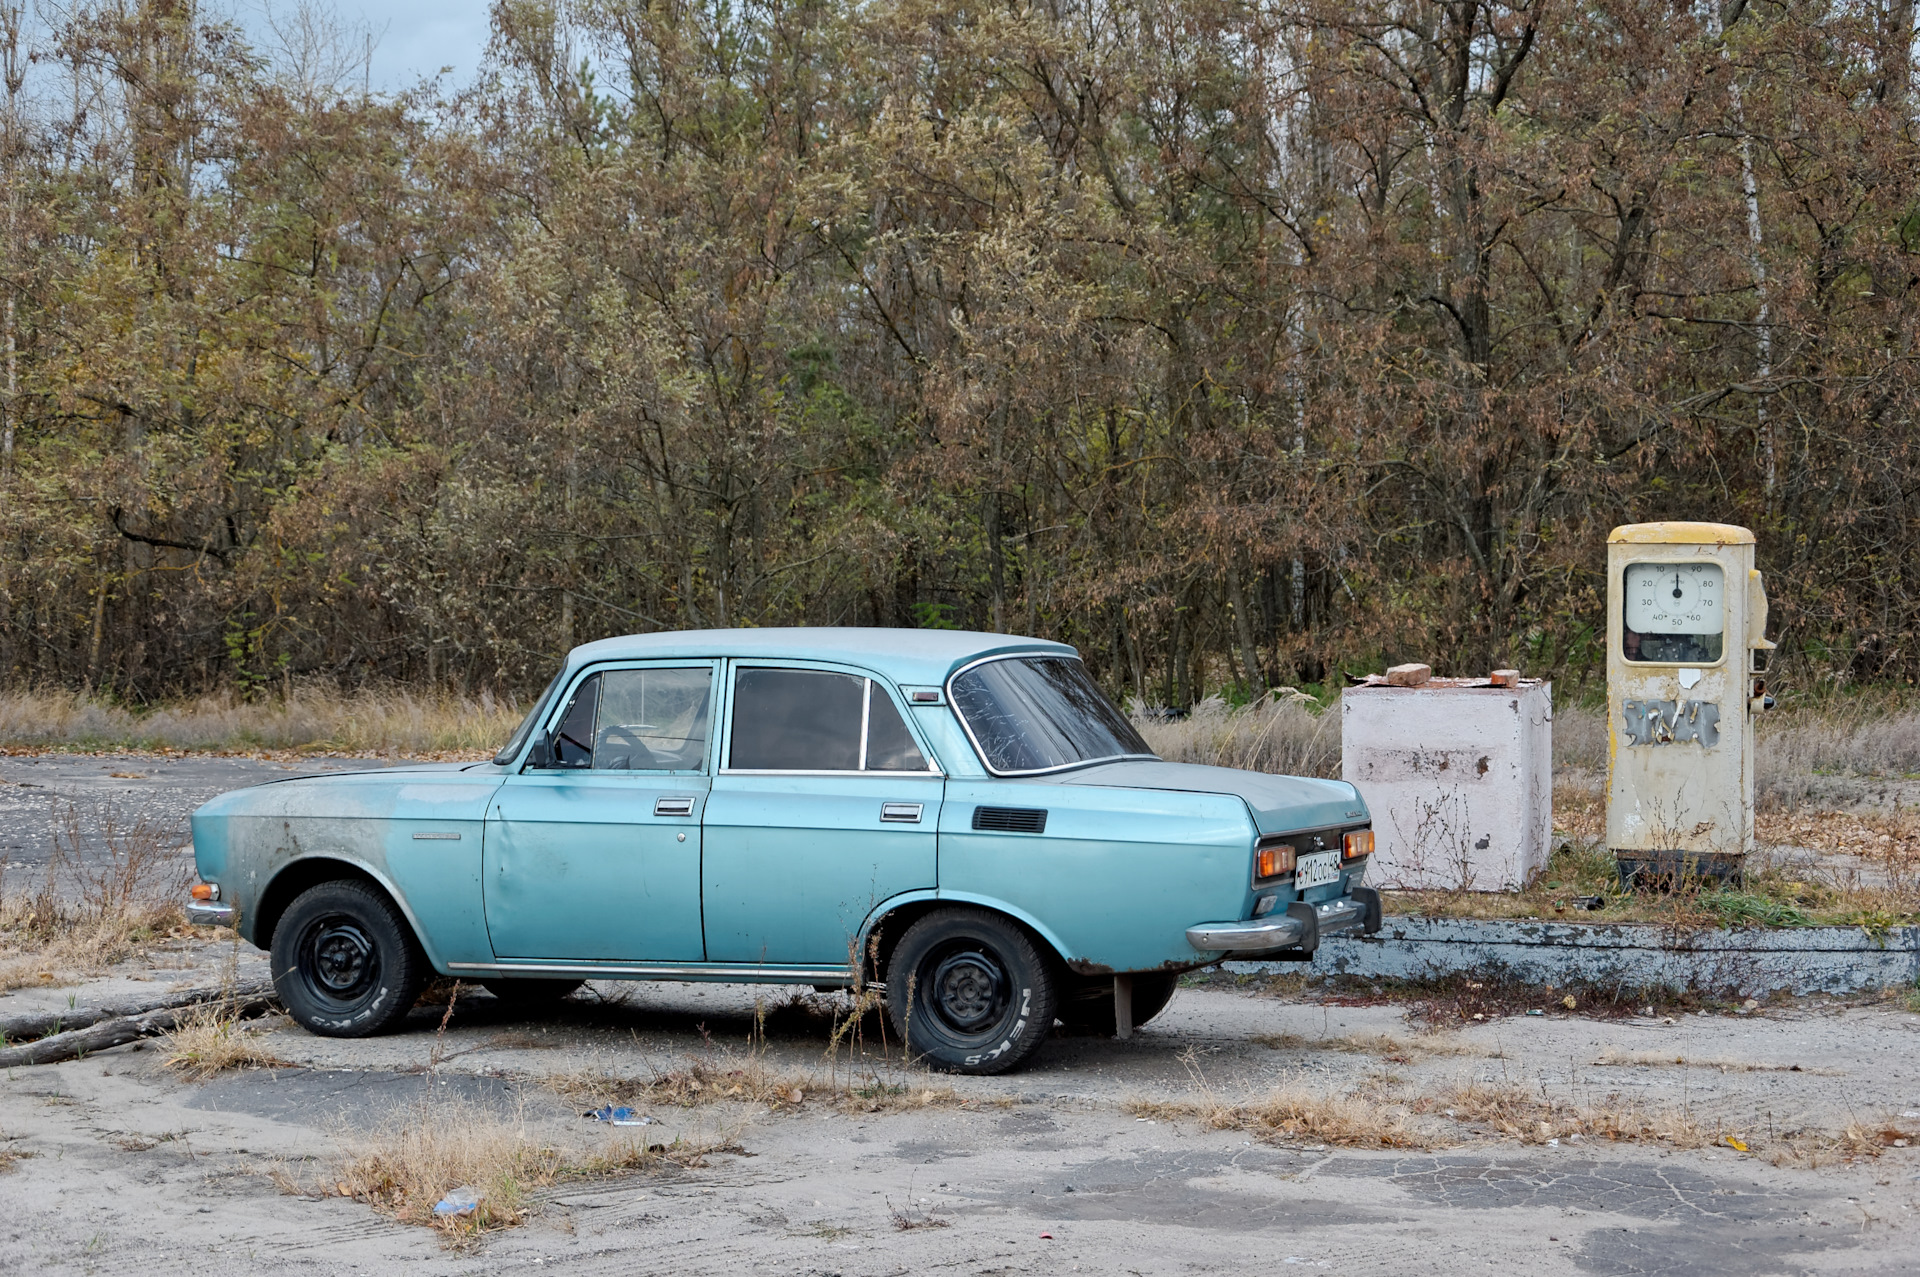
x,y
412,38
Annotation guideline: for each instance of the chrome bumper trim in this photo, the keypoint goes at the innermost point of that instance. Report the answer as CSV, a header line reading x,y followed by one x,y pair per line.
x,y
206,913
1339,915
719,971
1277,931
1256,934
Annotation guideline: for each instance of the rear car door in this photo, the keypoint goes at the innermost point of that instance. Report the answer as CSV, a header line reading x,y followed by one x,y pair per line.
x,y
825,804
597,857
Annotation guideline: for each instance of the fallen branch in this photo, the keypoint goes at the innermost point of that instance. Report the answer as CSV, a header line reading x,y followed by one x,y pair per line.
x,y
112,1033
36,1024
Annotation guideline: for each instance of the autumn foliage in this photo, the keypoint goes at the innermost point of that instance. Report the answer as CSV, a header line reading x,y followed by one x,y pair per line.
x,y
1232,340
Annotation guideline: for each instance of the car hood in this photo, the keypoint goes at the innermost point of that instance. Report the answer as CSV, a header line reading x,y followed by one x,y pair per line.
x,y
1280,804
408,769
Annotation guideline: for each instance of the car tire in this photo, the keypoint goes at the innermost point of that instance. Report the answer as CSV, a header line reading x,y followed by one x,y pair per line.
x,y
1086,1005
531,993
345,963
970,992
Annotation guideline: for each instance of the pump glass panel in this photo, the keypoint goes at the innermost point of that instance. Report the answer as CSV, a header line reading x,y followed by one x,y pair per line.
x,y
1674,613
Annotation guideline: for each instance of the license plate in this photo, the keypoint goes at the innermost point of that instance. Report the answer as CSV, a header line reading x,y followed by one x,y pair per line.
x,y
1317,870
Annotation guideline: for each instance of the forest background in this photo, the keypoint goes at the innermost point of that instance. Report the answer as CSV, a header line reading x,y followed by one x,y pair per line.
x,y
1239,342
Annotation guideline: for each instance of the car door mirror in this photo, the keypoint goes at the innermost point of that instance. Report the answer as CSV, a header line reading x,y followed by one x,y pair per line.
x,y
541,753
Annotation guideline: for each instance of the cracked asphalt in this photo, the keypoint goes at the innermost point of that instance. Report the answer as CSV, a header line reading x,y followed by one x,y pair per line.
x,y
1049,1170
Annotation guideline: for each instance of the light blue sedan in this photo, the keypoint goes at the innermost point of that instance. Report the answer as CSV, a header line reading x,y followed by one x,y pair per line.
x,y
962,819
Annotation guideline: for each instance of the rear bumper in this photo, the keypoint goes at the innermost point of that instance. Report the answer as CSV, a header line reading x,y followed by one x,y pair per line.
x,y
1301,927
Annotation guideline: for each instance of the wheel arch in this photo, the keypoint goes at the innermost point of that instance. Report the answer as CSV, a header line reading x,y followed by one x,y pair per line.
x,y
890,920
310,871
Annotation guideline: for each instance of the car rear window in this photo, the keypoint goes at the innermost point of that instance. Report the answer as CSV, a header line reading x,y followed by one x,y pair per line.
x,y
1040,713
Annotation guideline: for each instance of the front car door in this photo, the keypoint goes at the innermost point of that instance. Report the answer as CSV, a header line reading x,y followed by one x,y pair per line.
x,y
824,806
597,857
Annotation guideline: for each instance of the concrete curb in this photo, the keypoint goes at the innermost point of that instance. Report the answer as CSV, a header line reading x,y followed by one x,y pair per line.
x,y
1748,963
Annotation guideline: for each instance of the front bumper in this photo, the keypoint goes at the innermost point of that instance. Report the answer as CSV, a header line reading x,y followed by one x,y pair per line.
x,y
208,913
1301,927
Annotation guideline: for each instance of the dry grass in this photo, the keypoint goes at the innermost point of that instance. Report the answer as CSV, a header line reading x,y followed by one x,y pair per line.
x,y
1612,1057
1389,1048
1384,1113
212,1039
111,888
1296,1115
1285,733
429,1152
308,717
750,1079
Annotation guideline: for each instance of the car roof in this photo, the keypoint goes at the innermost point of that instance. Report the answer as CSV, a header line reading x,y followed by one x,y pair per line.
x,y
905,656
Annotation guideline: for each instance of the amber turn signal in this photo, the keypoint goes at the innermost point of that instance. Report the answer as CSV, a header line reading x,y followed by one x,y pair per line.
x,y
1271,862
1357,844
205,891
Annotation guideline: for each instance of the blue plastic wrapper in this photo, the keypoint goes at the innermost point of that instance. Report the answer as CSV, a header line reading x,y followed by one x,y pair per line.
x,y
621,1116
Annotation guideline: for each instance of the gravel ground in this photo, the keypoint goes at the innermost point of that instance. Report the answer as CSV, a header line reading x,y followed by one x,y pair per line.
x,y
37,792
1043,1171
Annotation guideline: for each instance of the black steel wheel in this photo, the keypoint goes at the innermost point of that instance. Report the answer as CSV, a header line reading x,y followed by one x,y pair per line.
x,y
1086,1004
970,991
519,992
345,964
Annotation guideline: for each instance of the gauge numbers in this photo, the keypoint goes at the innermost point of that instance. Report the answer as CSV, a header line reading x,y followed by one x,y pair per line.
x,y
1675,598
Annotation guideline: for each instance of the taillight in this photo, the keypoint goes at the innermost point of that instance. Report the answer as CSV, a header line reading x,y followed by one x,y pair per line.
x,y
1273,862
1357,844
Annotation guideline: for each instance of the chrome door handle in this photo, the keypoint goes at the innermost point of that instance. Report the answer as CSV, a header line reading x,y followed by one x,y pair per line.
x,y
901,813
680,806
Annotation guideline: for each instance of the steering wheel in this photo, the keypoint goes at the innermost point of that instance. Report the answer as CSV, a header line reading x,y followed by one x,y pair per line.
x,y
638,756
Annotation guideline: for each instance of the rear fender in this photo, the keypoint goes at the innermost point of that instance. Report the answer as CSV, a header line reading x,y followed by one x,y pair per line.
x,y
936,898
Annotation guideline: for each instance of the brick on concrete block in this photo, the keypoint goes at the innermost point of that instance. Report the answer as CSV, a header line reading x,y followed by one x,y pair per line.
x,y
1408,675
1459,779
1506,678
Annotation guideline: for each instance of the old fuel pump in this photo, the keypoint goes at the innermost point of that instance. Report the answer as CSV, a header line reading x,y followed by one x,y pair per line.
x,y
1686,642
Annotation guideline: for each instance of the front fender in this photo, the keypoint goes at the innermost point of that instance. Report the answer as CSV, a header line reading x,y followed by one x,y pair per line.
x,y
313,867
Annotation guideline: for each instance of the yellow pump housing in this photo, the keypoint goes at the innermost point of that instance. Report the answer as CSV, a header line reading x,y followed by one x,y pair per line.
x,y
1686,626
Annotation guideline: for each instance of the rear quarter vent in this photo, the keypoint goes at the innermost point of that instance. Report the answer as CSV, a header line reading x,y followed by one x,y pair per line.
x,y
1010,820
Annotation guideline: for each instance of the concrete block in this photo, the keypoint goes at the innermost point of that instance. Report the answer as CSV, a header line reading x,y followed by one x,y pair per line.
x,y
1750,962
1459,777
1412,675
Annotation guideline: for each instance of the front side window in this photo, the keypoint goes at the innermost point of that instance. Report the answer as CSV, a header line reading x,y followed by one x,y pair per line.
x,y
511,750
1673,613
636,720
653,720
814,720
1040,713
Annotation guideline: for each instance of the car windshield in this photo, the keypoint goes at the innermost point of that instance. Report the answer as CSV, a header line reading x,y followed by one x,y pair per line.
x,y
520,733
1038,713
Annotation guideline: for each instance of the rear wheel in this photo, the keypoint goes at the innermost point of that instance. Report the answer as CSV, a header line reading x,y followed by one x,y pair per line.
x,y
344,962
970,992
1086,1005
531,993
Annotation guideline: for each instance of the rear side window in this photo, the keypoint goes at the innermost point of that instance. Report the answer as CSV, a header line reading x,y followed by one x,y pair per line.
x,y
889,748
814,720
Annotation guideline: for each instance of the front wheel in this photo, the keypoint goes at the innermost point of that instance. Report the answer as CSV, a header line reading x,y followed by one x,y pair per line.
x,y
344,962
970,992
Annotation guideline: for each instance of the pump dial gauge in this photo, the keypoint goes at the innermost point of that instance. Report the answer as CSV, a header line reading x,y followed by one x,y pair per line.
x,y
1675,598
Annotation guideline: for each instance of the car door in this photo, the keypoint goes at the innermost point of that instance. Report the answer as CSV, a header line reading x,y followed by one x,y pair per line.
x,y
597,857
825,804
